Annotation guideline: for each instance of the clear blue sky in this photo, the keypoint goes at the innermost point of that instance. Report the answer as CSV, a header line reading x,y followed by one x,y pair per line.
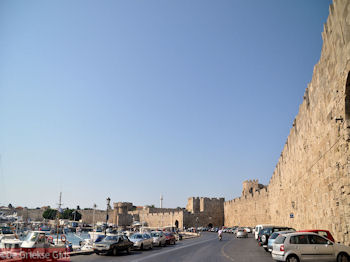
x,y
131,99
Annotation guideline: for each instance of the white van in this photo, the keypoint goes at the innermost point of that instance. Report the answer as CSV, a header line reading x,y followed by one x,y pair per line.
x,y
258,228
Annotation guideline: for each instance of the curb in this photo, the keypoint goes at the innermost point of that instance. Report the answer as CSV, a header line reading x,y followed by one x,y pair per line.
x,y
77,253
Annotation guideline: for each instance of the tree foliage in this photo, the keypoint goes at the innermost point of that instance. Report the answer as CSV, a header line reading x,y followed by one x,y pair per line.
x,y
71,214
66,214
50,214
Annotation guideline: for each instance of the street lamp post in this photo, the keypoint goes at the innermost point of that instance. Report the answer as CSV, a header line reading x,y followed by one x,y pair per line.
x,y
108,201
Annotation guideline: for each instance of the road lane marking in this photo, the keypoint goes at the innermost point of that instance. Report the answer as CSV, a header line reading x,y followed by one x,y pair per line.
x,y
173,249
224,253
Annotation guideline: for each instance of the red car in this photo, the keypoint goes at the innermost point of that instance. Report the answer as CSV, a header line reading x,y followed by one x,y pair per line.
x,y
321,232
170,238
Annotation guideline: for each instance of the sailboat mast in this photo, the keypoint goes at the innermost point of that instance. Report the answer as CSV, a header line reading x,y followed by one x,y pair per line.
x,y
58,212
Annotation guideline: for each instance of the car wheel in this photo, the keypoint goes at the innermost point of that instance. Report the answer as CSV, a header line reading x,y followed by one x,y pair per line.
x,y
128,250
115,251
266,249
141,247
292,259
342,257
97,253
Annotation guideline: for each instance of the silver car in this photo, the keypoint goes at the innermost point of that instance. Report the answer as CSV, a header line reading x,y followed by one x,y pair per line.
x,y
159,238
273,238
302,246
241,232
142,241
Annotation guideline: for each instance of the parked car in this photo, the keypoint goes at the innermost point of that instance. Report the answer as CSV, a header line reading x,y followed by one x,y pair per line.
x,y
113,245
273,237
159,238
241,232
305,246
170,238
142,241
321,232
258,228
248,229
267,232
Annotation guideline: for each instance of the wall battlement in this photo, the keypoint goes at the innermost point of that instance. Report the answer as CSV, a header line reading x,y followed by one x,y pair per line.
x,y
204,204
163,213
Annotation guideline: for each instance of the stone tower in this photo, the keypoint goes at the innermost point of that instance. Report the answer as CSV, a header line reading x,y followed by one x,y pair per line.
x,y
251,186
193,205
121,216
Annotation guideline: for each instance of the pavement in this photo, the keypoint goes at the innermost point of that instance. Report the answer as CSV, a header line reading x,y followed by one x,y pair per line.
x,y
204,248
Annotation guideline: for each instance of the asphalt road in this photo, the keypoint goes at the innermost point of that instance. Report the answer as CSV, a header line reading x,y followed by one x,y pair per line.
x,y
205,248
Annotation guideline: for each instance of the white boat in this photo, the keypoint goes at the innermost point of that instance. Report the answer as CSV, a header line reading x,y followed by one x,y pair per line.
x,y
6,233
10,248
10,243
40,239
5,238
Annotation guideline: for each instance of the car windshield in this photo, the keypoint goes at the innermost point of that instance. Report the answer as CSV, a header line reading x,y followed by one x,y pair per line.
x,y
155,234
263,231
280,239
110,238
136,236
280,229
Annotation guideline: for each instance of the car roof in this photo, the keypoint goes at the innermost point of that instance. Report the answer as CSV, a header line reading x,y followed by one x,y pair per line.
x,y
300,233
283,232
267,227
313,230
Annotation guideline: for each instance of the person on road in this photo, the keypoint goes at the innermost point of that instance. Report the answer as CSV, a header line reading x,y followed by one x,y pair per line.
x,y
220,234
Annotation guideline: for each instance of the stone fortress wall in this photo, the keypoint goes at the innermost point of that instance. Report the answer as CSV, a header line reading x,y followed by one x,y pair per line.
x,y
88,216
251,208
28,213
162,219
202,211
310,186
199,212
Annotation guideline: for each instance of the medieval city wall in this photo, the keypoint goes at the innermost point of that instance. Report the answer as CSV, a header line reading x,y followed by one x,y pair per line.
x,y
162,219
248,210
90,216
31,214
204,211
310,186
87,216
